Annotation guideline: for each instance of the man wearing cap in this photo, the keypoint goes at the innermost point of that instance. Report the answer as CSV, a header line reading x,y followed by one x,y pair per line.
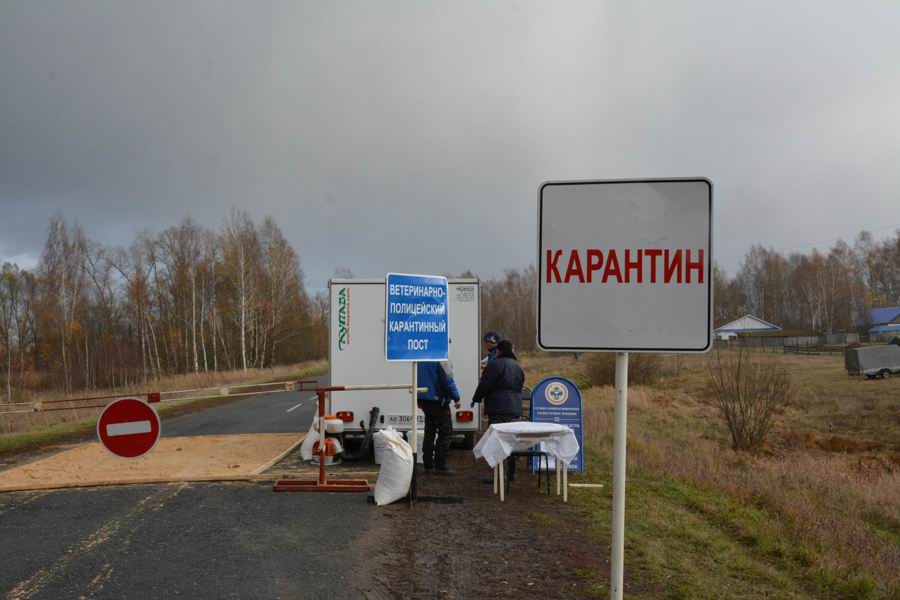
x,y
500,388
490,340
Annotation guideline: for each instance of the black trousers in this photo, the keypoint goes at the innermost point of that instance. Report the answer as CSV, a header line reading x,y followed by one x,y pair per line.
x,y
437,422
510,464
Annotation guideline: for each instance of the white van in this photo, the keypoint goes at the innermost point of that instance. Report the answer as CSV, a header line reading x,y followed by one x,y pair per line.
x,y
356,356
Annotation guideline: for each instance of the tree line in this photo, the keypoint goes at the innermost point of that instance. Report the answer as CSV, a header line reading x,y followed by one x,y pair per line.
x,y
830,291
188,299
509,307
192,299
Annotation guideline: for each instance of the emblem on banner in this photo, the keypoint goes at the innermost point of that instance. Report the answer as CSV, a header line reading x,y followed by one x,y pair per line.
x,y
556,393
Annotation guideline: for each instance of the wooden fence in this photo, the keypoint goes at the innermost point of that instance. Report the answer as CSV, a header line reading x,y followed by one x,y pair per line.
x,y
834,343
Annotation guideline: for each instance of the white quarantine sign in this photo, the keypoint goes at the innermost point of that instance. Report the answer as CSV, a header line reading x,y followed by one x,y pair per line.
x,y
625,265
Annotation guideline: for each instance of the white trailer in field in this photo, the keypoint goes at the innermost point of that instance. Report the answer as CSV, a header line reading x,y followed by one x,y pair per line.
x,y
356,356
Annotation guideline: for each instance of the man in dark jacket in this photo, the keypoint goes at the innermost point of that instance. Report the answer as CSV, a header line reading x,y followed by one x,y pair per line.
x,y
500,388
435,403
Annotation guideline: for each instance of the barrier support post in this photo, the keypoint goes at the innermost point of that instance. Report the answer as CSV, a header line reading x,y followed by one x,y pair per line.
x,y
321,484
321,395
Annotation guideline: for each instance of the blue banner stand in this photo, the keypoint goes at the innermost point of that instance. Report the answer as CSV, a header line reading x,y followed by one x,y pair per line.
x,y
416,323
558,400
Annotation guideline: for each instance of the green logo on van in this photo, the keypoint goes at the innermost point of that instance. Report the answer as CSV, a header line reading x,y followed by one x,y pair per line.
x,y
343,318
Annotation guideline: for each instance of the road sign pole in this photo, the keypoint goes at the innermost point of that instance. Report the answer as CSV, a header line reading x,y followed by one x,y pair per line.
x,y
415,329
662,231
618,508
415,429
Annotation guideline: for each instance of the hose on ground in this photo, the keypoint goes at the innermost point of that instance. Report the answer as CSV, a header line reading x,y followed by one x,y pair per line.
x,y
363,450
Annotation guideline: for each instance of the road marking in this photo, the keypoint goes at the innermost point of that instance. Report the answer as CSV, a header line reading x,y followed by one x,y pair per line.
x,y
79,551
28,500
299,404
130,428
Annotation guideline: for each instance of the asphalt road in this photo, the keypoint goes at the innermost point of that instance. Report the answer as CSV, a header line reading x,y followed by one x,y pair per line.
x,y
282,412
191,540
180,540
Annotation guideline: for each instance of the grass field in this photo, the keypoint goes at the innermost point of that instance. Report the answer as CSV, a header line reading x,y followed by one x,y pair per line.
x,y
29,430
815,514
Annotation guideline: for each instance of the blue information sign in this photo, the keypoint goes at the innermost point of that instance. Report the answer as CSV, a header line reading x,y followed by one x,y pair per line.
x,y
416,325
557,400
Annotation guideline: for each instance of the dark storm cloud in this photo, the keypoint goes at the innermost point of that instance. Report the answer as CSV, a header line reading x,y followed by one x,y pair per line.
x,y
413,137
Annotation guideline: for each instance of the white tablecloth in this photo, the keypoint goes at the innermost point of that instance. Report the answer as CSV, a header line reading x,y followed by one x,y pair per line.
x,y
501,440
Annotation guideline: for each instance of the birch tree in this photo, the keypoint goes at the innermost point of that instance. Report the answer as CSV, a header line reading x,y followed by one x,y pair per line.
x,y
9,300
62,271
241,252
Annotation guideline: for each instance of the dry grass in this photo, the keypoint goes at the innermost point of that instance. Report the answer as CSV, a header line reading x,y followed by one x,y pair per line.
x,y
643,369
539,365
37,421
830,473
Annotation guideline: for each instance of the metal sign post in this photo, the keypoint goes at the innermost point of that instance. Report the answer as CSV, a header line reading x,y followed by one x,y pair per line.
x,y
624,266
620,434
416,329
413,491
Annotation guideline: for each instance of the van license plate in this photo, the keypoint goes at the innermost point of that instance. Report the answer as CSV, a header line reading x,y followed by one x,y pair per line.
x,y
403,420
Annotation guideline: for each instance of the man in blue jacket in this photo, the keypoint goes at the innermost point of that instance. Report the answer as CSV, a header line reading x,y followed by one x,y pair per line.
x,y
435,403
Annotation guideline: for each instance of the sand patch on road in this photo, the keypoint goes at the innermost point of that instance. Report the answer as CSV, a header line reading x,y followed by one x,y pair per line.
x,y
196,458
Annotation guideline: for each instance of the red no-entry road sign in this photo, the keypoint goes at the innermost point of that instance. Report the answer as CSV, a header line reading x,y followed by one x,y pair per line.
x,y
128,427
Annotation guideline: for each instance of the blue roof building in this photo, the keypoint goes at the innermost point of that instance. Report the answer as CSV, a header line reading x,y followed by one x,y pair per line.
x,y
885,320
882,316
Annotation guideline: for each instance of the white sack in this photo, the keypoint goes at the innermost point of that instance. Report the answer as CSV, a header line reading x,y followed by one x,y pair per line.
x,y
379,446
396,467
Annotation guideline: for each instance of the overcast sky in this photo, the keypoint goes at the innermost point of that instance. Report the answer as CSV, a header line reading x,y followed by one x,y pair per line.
x,y
412,137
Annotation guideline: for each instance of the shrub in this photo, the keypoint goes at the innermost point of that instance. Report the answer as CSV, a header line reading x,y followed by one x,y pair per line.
x,y
643,369
750,391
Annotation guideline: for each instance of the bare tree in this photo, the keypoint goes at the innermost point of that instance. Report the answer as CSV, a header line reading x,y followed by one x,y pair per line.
x,y
241,257
63,275
750,391
508,306
763,278
135,273
730,297
285,280
9,300
175,302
